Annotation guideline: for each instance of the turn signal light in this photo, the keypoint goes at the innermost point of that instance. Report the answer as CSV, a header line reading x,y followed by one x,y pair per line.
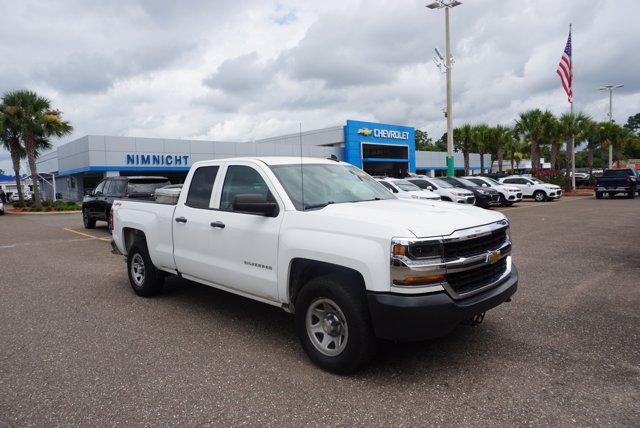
x,y
399,250
420,280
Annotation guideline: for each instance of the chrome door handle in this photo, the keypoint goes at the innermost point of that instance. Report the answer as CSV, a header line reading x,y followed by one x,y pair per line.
x,y
181,219
217,224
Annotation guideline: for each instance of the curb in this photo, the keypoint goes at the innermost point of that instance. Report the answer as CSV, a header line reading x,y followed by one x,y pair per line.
x,y
41,212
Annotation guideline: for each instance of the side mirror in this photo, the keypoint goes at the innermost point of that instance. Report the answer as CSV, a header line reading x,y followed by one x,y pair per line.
x,y
430,188
485,185
253,203
88,192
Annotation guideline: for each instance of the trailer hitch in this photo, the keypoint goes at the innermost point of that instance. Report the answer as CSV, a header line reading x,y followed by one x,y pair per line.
x,y
474,320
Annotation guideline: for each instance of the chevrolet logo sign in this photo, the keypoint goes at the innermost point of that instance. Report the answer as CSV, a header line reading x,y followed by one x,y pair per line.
x,y
493,256
365,131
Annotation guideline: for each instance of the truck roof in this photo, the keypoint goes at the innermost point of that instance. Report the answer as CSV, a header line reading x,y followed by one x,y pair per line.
x,y
278,160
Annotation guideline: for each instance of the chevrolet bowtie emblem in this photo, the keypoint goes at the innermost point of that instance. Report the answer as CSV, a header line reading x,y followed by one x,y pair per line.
x,y
493,256
365,131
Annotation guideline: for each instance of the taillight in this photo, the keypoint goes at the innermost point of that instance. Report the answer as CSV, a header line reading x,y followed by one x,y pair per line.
x,y
111,219
629,180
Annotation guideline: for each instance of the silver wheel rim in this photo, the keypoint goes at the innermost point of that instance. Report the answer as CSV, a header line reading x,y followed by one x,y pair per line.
x,y
137,270
327,327
539,196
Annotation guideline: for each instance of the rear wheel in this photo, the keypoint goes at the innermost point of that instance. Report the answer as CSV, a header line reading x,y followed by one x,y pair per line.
x,y
631,194
539,196
333,324
89,223
145,279
599,195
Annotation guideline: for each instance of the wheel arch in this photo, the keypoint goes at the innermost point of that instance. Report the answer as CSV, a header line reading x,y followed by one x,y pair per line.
x,y
302,270
131,235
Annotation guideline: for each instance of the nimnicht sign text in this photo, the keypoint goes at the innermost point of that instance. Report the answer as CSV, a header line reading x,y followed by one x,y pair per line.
x,y
157,160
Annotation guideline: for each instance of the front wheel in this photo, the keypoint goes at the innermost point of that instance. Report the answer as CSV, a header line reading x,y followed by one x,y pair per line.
x,y
539,196
599,195
145,279
89,223
333,324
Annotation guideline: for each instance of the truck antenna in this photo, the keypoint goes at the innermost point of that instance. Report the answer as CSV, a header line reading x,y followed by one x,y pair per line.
x,y
301,168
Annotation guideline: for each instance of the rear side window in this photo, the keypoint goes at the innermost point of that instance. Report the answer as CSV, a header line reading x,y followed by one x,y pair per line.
x,y
100,188
201,187
118,187
510,180
423,184
477,181
107,187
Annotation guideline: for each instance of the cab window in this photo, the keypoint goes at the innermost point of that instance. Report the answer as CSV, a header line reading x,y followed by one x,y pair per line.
x,y
242,180
201,187
99,188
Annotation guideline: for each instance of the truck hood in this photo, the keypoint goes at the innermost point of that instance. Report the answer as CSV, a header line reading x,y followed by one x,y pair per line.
x,y
422,218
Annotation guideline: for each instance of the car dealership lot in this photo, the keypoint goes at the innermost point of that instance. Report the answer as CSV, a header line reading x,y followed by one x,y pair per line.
x,y
78,347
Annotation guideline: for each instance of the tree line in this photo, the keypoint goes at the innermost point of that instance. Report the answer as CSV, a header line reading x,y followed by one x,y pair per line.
x,y
536,133
27,123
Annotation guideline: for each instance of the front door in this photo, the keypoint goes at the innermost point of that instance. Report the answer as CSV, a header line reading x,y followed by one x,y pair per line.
x,y
245,245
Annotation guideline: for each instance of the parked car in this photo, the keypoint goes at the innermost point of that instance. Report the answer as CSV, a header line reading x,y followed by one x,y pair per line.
x,y
404,189
15,196
97,204
350,260
447,191
534,188
582,178
509,195
1,208
485,196
614,181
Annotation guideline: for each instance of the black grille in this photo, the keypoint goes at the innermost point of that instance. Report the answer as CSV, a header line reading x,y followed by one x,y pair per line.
x,y
495,198
471,200
472,279
471,247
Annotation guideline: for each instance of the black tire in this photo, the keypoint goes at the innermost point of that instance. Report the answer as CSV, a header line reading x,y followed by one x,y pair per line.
x,y
89,223
631,194
150,282
539,196
361,343
599,195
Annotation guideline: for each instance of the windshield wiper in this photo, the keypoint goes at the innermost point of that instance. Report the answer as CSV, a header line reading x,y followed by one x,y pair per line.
x,y
368,200
317,206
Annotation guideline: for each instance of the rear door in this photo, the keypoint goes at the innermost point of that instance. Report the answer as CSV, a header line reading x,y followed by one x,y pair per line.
x,y
244,247
192,231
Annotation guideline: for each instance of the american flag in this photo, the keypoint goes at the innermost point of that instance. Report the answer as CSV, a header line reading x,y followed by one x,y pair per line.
x,y
564,69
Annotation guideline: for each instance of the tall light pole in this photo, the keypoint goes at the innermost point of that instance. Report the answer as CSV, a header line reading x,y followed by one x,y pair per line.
x,y
610,88
447,4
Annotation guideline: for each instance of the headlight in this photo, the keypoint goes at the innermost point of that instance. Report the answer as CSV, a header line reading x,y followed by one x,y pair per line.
x,y
415,196
459,193
483,192
409,249
405,252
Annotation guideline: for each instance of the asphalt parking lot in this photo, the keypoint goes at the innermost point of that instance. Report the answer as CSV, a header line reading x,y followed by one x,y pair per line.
x,y
77,347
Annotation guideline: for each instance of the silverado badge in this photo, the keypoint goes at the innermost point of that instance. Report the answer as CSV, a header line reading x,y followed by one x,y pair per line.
x,y
365,131
493,256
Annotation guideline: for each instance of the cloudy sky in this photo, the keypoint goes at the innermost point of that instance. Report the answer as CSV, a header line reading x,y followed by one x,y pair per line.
x,y
237,70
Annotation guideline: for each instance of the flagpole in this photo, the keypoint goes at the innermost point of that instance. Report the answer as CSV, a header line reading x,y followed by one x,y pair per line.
x,y
573,137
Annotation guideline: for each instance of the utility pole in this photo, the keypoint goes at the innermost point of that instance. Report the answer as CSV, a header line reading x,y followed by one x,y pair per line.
x,y
610,88
447,4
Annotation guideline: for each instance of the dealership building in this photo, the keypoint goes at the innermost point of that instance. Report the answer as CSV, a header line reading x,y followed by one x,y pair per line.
x,y
379,149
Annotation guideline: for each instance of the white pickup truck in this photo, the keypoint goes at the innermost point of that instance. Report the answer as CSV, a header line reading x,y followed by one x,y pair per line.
x,y
322,240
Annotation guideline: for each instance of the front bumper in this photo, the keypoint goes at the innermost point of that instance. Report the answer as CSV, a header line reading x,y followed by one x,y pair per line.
x,y
425,316
487,200
554,194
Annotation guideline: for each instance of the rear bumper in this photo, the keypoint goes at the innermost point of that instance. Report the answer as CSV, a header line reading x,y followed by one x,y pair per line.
x,y
426,316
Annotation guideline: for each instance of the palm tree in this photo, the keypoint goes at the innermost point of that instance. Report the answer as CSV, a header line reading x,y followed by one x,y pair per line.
x,y
502,136
552,136
512,148
10,139
625,137
572,127
463,141
481,136
38,121
531,124
591,131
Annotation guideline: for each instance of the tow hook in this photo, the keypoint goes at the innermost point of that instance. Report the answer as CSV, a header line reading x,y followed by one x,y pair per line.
x,y
474,320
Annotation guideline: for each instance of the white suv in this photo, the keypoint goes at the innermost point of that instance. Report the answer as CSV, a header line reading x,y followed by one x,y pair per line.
x,y
509,195
403,189
533,188
447,191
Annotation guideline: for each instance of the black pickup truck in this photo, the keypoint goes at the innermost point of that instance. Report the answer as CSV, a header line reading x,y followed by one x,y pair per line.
x,y
97,204
614,181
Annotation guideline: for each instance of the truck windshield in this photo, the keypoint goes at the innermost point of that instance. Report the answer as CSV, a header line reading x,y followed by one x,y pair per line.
x,y
326,184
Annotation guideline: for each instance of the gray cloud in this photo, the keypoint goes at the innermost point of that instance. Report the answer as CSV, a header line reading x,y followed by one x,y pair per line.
x,y
250,69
